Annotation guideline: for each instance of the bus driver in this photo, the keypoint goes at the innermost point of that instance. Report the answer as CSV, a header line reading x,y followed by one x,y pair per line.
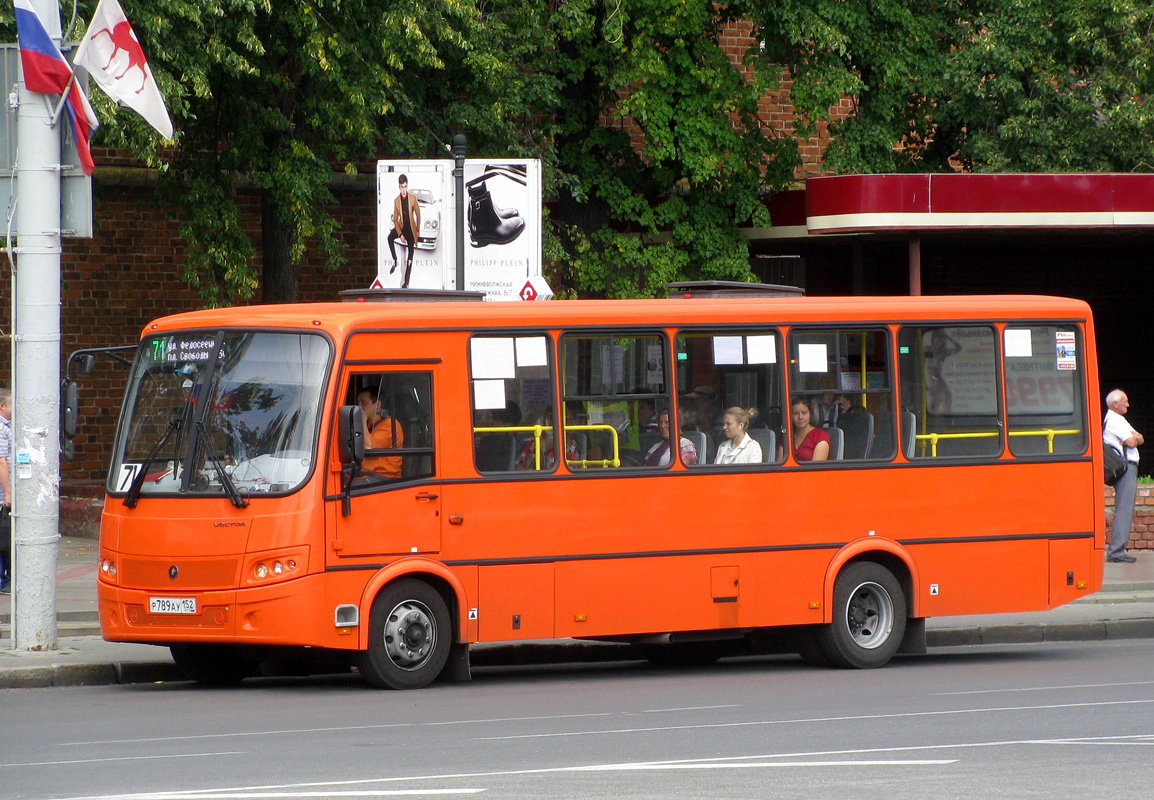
x,y
379,435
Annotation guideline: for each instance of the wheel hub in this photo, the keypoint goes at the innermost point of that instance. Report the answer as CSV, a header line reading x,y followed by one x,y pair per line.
x,y
869,615
410,634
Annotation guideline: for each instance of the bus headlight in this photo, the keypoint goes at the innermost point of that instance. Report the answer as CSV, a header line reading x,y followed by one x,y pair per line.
x,y
277,566
108,570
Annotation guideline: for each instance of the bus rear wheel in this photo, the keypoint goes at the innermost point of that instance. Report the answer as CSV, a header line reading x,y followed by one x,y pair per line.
x,y
409,637
869,618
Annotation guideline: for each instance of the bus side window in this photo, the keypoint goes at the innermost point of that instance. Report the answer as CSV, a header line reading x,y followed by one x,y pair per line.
x,y
949,390
845,377
512,402
613,390
721,370
398,411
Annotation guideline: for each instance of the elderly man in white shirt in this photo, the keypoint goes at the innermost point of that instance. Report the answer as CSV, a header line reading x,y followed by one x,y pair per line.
x,y
1119,434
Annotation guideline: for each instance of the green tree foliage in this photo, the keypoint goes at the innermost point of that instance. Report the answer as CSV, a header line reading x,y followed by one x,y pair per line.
x,y
1060,86
649,130
988,85
661,201
273,96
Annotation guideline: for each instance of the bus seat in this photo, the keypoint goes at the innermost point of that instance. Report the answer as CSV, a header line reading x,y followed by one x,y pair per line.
x,y
497,452
768,441
858,431
836,443
909,431
700,444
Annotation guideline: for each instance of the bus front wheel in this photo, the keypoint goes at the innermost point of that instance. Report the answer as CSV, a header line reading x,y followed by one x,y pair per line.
x,y
869,618
409,636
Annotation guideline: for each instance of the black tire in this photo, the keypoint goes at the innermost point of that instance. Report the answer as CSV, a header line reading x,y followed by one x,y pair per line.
x,y
409,637
804,641
869,618
212,664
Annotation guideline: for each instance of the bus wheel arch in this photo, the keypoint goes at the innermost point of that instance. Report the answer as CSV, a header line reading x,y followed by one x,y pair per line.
x,y
885,552
410,634
869,615
437,575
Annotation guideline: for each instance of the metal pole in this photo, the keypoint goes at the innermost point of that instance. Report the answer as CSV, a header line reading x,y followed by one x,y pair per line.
x,y
915,264
36,366
459,189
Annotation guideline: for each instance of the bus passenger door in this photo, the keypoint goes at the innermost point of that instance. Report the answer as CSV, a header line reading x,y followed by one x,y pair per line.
x,y
395,503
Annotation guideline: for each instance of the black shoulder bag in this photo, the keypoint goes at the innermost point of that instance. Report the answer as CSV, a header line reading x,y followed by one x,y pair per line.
x,y
1116,464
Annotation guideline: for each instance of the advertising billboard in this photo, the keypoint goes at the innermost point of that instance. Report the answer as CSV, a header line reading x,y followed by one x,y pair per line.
x,y
416,227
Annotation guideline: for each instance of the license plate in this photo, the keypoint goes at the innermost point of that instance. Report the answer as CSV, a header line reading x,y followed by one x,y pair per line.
x,y
172,605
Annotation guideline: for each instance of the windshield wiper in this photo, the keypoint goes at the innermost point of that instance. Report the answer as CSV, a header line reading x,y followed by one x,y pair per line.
x,y
133,495
225,479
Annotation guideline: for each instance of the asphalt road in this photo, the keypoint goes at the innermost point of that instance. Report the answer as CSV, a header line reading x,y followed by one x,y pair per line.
x,y
1015,721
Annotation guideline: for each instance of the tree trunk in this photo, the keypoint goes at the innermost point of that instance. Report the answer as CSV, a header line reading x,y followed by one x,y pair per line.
x,y
280,276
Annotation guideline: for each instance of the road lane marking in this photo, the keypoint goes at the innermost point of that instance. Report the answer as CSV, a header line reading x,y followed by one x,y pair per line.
x,y
117,758
330,788
810,720
334,729
1045,688
325,789
229,794
686,708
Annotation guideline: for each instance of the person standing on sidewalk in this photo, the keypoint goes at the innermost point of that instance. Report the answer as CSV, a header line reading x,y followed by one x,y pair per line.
x,y
1119,434
5,491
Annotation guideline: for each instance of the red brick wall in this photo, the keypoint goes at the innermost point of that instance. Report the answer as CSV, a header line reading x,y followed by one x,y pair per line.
x,y
1142,528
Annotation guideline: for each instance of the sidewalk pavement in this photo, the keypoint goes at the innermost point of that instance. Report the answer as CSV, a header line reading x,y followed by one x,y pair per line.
x,y
1124,609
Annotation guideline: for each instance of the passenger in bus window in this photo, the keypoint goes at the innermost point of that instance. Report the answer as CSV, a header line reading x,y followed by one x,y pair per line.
x,y
528,457
740,447
493,451
644,415
658,454
830,409
379,435
809,443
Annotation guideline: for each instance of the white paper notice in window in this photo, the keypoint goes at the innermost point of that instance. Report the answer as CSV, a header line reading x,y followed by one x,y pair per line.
x,y
531,351
812,358
761,349
727,350
489,394
1018,343
492,358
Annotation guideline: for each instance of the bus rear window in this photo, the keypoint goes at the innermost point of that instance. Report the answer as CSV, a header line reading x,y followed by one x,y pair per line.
x,y
1044,413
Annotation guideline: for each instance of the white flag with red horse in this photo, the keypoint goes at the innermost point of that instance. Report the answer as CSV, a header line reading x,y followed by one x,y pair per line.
x,y
113,57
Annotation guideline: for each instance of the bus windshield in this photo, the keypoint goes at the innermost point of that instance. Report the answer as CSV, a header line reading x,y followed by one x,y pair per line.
x,y
221,412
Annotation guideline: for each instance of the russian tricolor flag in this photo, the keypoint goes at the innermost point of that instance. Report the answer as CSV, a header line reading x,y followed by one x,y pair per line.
x,y
47,71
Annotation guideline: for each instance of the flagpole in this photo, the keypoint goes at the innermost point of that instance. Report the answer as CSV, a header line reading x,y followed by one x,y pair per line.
x,y
36,367
63,100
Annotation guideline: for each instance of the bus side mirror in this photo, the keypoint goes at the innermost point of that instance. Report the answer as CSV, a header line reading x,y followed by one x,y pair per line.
x,y
84,364
351,434
71,408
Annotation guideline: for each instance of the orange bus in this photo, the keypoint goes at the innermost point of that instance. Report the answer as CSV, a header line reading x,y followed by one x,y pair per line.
x,y
388,483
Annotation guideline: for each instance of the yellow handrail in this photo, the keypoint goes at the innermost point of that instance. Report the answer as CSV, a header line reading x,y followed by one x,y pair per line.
x,y
934,438
537,430
605,462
